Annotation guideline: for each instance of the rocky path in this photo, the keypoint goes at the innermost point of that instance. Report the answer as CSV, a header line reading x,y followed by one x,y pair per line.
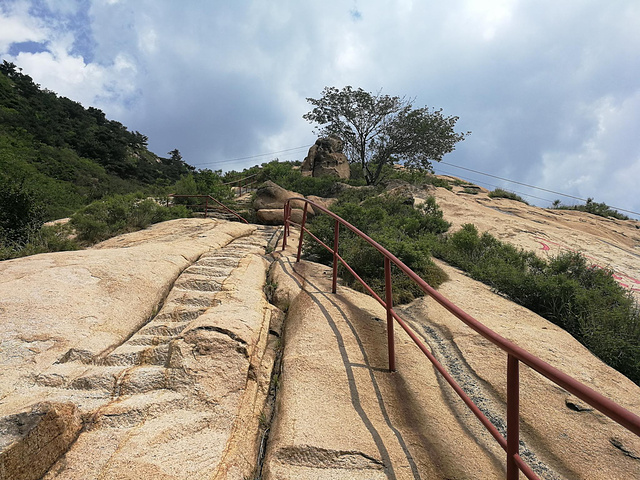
x,y
341,414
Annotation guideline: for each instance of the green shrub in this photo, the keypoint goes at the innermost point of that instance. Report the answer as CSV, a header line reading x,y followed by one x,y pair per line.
x,y
121,214
595,208
500,193
405,231
584,300
21,216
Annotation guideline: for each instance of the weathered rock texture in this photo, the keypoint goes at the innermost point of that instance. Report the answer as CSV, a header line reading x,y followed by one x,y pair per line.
x,y
325,159
340,414
159,344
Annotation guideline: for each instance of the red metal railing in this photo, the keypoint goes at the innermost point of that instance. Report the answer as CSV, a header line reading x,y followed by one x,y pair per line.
x,y
243,183
205,205
510,444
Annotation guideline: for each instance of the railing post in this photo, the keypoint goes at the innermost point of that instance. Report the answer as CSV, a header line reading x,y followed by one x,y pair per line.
x,y
389,306
513,417
285,232
336,235
304,220
206,205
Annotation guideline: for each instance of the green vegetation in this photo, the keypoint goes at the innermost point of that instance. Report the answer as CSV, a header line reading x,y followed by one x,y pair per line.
x,y
500,193
98,221
595,208
67,156
393,222
584,300
120,214
379,130
58,159
288,175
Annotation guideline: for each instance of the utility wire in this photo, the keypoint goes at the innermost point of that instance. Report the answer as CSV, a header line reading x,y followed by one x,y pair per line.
x,y
253,156
532,186
494,186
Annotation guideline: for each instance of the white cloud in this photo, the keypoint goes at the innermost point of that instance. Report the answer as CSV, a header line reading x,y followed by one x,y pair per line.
x,y
17,26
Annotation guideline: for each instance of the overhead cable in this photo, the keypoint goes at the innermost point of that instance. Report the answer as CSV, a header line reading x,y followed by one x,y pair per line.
x,y
532,186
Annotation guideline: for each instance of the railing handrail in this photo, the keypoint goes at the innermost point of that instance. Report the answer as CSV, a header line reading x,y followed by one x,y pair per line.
x,y
206,205
240,183
240,179
617,413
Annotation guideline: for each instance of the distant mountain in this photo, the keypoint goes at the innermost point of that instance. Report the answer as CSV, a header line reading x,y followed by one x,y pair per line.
x,y
67,155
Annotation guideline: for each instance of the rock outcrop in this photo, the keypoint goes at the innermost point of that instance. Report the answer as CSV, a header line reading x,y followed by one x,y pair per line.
x,y
148,356
269,204
325,158
270,200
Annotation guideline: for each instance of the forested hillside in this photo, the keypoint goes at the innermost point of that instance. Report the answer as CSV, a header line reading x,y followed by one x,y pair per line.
x,y
67,156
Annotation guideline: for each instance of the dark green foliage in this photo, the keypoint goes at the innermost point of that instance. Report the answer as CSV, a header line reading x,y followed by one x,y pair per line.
x,y
21,216
287,175
119,214
500,193
583,299
595,208
407,232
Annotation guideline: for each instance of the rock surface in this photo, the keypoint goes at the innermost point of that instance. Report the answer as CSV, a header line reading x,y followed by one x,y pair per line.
x,y
325,158
607,242
340,414
157,343
150,356
269,204
270,195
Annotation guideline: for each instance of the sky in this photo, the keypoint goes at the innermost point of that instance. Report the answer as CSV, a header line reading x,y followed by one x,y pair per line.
x,y
549,89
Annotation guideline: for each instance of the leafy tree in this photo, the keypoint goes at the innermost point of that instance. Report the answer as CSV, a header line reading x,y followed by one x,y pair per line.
x,y
176,156
380,129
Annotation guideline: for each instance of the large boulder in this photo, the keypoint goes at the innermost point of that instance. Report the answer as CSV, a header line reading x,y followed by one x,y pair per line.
x,y
325,158
270,195
275,216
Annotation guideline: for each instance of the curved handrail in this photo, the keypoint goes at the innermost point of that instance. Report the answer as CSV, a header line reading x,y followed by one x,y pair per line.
x,y
206,204
516,354
240,183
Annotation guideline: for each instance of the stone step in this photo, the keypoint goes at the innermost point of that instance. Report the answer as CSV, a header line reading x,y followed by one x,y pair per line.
x,y
178,315
80,377
197,283
127,354
149,340
166,329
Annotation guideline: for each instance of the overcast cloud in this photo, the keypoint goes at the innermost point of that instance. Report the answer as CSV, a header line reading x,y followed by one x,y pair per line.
x,y
550,90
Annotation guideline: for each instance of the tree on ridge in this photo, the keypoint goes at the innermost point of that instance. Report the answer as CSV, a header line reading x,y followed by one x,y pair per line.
x,y
379,129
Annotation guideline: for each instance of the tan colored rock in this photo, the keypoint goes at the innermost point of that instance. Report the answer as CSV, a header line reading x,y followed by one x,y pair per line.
x,y
30,442
325,158
340,414
171,394
272,196
323,202
607,242
275,216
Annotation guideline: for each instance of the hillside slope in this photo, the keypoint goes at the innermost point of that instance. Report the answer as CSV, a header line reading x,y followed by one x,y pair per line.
x,y
606,242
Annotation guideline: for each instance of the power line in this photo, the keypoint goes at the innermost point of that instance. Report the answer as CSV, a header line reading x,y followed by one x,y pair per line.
x,y
253,156
494,186
532,186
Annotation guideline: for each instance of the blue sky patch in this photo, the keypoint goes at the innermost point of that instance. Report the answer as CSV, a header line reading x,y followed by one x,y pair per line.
x,y
27,47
